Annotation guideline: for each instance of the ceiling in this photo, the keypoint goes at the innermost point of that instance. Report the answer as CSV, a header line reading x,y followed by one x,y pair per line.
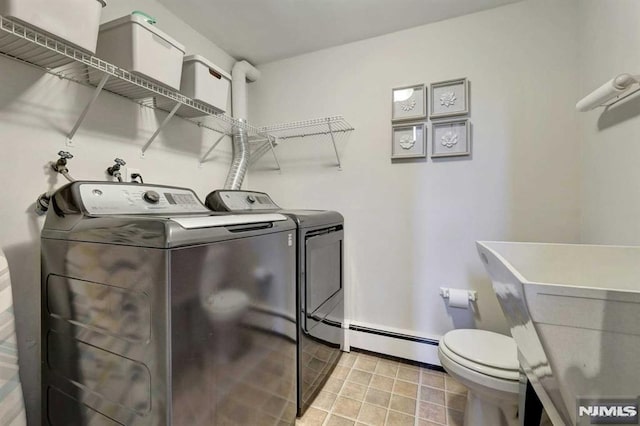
x,y
262,31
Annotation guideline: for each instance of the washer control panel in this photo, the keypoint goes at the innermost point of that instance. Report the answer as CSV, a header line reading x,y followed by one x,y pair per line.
x,y
239,201
104,199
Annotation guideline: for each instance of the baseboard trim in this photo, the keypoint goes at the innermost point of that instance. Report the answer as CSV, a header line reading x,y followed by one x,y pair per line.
x,y
408,348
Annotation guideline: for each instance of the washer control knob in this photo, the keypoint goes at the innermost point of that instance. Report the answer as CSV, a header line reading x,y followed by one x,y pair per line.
x,y
251,199
151,197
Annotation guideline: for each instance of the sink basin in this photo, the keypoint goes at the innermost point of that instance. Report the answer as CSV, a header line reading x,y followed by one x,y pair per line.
x,y
574,312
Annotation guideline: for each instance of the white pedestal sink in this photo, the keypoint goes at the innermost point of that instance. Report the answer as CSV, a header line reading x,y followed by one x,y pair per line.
x,y
574,311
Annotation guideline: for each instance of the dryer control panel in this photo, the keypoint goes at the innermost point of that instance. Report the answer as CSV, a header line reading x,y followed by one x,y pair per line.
x,y
106,198
224,200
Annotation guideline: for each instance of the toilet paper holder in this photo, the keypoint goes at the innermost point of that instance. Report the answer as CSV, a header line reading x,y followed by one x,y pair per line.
x,y
473,295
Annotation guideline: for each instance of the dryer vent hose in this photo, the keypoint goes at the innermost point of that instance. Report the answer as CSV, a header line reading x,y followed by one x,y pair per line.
x,y
240,162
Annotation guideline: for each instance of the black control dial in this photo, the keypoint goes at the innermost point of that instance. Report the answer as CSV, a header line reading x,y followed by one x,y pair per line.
x,y
251,199
151,197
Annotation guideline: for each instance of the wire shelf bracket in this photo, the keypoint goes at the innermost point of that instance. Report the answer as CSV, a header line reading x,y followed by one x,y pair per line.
x,y
320,128
210,150
84,113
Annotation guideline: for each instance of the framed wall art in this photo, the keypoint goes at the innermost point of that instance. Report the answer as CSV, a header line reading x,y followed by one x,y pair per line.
x,y
450,98
408,103
450,138
408,141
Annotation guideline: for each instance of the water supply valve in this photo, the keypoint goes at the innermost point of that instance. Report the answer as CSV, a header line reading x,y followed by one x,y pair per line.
x,y
115,169
60,166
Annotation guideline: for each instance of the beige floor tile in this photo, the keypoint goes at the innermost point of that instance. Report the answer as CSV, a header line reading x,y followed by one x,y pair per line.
x,y
369,356
405,389
365,364
339,421
398,419
452,385
432,412
354,391
347,360
455,418
403,404
333,385
324,400
433,380
347,407
340,372
372,415
365,390
378,397
433,395
409,374
387,368
456,401
382,382
312,417
360,377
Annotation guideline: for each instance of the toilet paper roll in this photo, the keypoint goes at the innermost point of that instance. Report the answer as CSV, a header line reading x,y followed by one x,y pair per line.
x,y
458,298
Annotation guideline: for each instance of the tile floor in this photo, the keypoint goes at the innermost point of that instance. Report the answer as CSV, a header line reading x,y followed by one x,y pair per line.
x,y
368,390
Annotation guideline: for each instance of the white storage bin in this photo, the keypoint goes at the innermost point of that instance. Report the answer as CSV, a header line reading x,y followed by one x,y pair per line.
x,y
132,43
204,82
75,22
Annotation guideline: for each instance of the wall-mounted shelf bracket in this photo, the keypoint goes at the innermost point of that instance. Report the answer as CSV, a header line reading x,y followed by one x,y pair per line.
x,y
210,150
319,128
84,113
272,144
159,129
333,141
263,144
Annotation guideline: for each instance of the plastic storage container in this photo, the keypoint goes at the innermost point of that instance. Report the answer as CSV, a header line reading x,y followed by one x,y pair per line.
x,y
201,81
135,44
204,82
75,22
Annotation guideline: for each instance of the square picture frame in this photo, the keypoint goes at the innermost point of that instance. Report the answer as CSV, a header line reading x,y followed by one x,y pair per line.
x,y
451,138
408,103
408,141
450,98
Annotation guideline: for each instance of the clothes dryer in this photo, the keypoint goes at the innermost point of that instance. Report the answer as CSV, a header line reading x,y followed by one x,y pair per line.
x,y
320,284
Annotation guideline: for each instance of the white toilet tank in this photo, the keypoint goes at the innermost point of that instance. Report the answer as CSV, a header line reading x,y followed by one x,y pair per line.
x,y
11,403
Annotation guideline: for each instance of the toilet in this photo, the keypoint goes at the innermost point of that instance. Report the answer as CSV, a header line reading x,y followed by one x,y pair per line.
x,y
487,364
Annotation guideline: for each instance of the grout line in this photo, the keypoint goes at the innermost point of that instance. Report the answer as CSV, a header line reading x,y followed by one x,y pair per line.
x,y
415,420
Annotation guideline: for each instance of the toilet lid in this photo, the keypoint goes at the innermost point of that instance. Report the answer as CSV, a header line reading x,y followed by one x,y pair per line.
x,y
484,347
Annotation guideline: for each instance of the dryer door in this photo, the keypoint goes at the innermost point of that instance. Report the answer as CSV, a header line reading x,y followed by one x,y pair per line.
x,y
323,276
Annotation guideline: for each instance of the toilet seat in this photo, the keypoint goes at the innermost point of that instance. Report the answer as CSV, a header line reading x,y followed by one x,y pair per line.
x,y
483,351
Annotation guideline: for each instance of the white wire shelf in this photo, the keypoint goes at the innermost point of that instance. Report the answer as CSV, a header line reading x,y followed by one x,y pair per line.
x,y
317,127
26,45
332,128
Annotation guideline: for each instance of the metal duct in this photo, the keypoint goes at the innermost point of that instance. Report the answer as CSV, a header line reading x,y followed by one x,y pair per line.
x,y
241,72
240,161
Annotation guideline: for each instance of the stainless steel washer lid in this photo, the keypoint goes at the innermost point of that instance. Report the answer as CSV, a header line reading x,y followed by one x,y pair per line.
x,y
484,347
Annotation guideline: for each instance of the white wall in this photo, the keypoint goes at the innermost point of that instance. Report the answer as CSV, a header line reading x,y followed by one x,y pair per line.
x,y
411,226
609,45
36,113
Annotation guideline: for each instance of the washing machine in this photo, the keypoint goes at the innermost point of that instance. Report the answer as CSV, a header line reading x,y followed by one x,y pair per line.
x,y
320,284
157,311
